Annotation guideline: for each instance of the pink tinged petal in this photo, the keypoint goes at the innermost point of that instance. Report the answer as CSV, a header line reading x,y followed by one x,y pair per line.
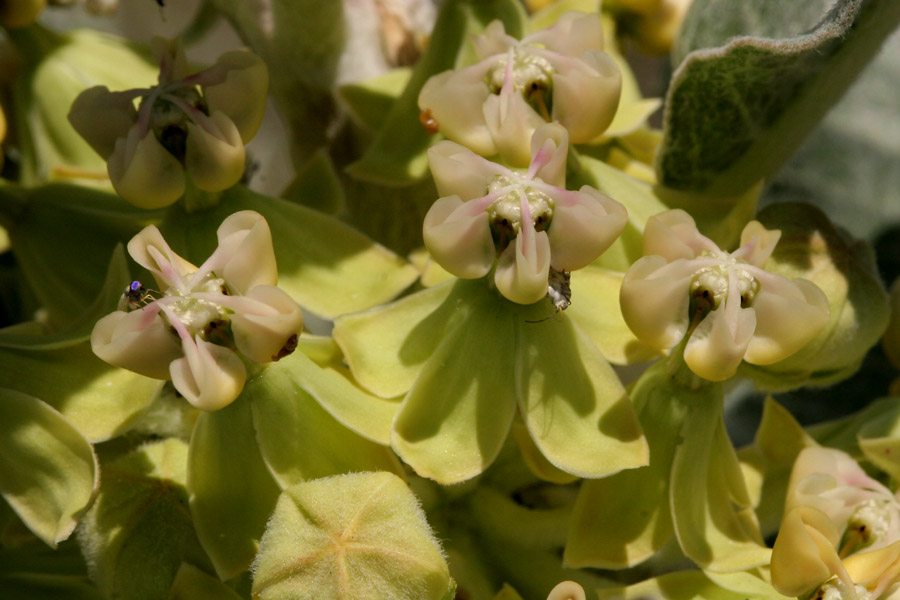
x,y
673,234
245,257
454,99
210,377
718,344
511,122
143,172
139,341
549,147
494,40
757,244
457,171
523,267
459,238
585,223
573,34
655,300
240,92
789,315
150,250
586,94
214,155
268,331
101,117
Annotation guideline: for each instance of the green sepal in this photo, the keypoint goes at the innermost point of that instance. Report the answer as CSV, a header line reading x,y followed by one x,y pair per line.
x,y
350,536
231,490
48,471
191,583
298,438
325,265
317,185
397,155
139,530
369,102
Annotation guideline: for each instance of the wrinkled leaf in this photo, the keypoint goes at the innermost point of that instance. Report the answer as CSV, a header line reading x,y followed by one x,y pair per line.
x,y
48,471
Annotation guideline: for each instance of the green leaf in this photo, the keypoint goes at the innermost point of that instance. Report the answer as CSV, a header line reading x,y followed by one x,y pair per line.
x,y
48,471
458,412
298,439
537,462
350,536
572,402
325,265
231,490
192,583
387,346
397,155
369,102
736,113
139,530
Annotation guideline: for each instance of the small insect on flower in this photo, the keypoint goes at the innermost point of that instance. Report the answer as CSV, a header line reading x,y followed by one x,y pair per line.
x,y
134,296
559,292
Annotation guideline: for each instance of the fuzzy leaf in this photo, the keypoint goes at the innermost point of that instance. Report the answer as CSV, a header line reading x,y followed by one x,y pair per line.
x,y
48,471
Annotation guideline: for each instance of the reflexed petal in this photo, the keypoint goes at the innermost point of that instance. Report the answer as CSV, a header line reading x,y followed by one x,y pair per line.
x,y
101,117
717,346
757,243
523,268
457,171
241,96
511,122
455,99
549,149
245,257
673,234
460,242
573,34
586,94
143,172
135,342
788,315
214,156
150,250
267,337
209,376
655,299
585,224
804,555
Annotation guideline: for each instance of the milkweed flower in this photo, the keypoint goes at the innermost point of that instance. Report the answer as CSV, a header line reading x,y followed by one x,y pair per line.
x,y
524,221
558,74
840,536
201,321
188,124
731,308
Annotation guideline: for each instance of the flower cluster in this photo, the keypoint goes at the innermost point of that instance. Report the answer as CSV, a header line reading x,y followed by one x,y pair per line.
x,y
558,74
731,308
840,537
526,222
193,328
188,124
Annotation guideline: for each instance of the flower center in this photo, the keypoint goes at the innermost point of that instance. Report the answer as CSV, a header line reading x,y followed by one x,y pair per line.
x,y
505,213
171,107
199,315
869,522
835,589
710,285
529,72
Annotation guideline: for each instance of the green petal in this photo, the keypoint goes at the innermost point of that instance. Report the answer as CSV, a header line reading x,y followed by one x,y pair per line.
x,y
536,461
367,415
139,530
622,520
298,439
231,490
193,584
387,346
711,509
456,416
350,536
574,406
48,471
325,265
595,310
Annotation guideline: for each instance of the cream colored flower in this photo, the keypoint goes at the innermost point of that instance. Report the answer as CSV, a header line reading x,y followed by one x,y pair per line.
x,y
731,308
840,537
194,124
200,323
525,221
558,74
